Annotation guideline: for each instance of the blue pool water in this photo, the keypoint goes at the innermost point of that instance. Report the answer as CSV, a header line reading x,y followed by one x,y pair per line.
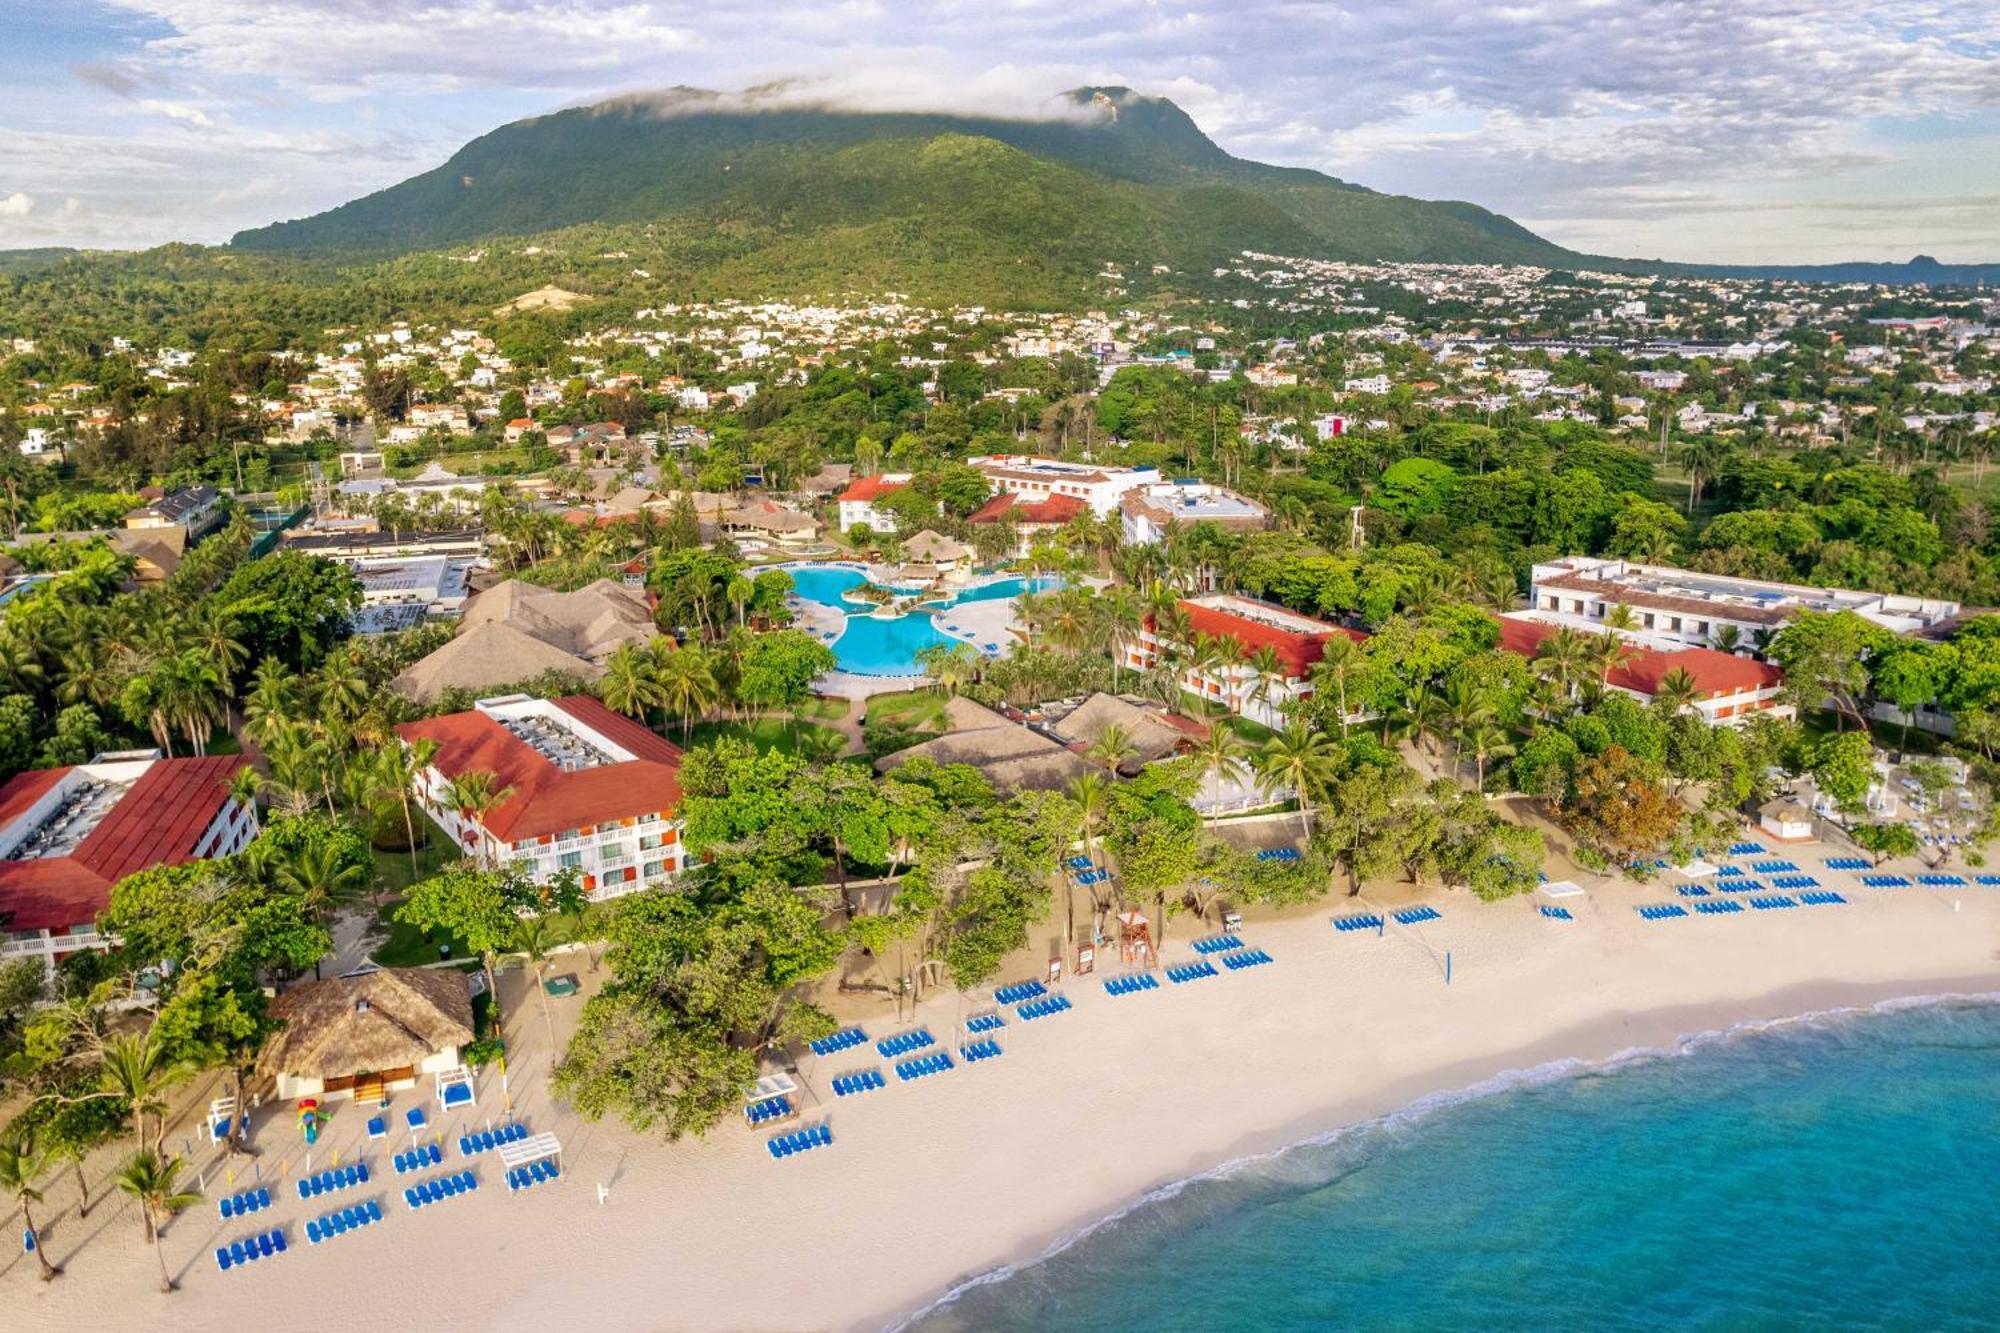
x,y
1838,1172
877,646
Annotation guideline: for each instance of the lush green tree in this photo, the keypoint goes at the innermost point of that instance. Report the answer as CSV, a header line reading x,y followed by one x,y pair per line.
x,y
1843,766
1885,840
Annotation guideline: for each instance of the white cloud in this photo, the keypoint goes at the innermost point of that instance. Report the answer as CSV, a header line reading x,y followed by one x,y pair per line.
x,y
17,205
1543,109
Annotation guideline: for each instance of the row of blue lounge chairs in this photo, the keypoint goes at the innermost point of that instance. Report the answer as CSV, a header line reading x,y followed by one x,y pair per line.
x,y
800,1140
1990,881
839,1041
534,1173
1793,882
249,1201
1746,849
1776,867
417,1158
771,1108
1132,984
1556,913
240,1252
1718,907
486,1140
1411,916
1886,881
1772,902
1358,921
1942,881
334,1178
440,1188
344,1220
1821,898
905,1042
862,1080
1691,891
923,1066
1662,911
1034,1009
1846,863
985,1023
1191,971
1236,962
1019,991
1740,886
1278,854
1089,877
1217,944
1728,872
974,1052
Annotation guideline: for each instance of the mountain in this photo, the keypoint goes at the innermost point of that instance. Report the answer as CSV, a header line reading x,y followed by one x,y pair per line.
x,y
1922,270
1107,175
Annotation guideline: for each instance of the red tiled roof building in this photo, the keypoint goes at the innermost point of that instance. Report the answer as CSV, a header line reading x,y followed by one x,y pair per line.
x,y
586,789
1297,641
68,835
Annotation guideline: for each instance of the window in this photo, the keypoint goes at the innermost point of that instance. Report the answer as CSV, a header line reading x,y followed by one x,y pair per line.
x,y
648,841
655,869
569,860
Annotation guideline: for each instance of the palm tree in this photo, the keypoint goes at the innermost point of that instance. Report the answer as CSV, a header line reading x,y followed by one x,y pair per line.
x,y
1676,692
397,771
23,1163
1468,709
687,681
1621,616
1112,747
136,1067
1092,794
272,697
1340,657
1727,638
1304,760
1224,756
1271,674
1561,660
214,634
1119,618
154,1180
316,873
340,688
471,796
631,683
1487,740
1607,653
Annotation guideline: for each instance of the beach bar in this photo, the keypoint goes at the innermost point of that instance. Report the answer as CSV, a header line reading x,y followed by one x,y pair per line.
x,y
370,1035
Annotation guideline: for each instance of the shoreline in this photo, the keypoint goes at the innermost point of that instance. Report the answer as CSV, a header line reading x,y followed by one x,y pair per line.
x,y
981,1171
1506,1075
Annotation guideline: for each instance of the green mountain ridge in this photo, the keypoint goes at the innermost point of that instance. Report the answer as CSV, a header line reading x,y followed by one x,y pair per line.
x,y
690,157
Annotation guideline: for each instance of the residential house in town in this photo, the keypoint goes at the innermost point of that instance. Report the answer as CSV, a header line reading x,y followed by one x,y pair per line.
x,y
586,789
1145,512
1297,643
67,835
197,510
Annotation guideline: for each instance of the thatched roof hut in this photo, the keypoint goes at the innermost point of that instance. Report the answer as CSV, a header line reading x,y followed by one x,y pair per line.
x,y
387,1026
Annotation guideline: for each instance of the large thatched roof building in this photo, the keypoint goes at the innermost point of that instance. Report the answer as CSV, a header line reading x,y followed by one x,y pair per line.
x,y
363,1035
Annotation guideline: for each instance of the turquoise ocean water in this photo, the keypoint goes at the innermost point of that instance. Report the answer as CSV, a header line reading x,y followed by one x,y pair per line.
x,y
1841,1171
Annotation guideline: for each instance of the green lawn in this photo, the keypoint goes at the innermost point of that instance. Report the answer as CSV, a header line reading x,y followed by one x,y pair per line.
x,y
406,945
392,869
1256,733
918,709
827,710
770,733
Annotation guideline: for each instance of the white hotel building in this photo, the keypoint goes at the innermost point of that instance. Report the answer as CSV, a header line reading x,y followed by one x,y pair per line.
x,y
590,790
1033,479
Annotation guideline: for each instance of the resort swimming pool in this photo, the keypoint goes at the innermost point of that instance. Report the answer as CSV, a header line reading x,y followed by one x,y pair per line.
x,y
888,646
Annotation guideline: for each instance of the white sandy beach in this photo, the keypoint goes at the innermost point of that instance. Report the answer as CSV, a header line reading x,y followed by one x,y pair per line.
x,y
932,1182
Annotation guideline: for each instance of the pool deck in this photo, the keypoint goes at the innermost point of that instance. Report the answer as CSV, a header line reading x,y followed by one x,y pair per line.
x,y
987,626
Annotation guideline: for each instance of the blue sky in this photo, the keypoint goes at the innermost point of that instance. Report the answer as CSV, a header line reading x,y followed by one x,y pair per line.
x,y
1717,130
